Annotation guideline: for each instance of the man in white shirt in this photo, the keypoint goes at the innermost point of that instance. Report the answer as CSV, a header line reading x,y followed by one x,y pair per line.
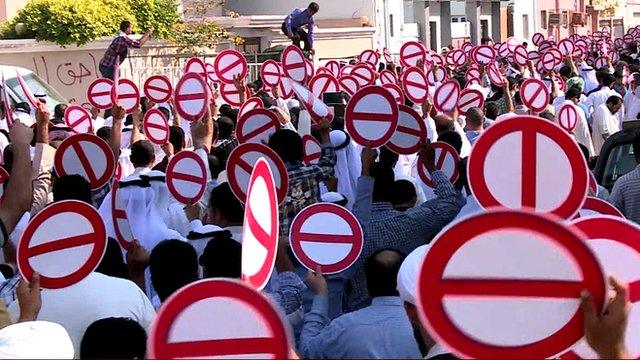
x,y
605,122
93,298
581,131
599,97
632,103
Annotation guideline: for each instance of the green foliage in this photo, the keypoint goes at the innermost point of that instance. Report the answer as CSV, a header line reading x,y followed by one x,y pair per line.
x,y
197,33
77,22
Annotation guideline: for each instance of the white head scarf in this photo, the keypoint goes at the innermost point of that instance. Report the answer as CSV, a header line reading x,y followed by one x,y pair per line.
x,y
408,274
35,340
348,166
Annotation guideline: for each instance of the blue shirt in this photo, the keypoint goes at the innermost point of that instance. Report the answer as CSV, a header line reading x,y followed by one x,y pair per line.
x,y
385,227
298,18
380,331
472,135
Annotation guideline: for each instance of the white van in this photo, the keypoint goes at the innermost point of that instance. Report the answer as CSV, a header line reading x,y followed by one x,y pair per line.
x,y
36,85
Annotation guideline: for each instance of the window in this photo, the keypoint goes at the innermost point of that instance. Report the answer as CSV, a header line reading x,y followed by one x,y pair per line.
x,y
454,19
565,18
525,26
543,19
463,19
391,25
484,28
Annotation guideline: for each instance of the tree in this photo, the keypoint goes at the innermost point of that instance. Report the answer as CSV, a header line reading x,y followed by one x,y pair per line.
x,y
197,33
609,6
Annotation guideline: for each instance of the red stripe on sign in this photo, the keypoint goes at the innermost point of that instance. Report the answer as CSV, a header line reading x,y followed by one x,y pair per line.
x,y
83,118
441,159
326,238
213,348
408,130
529,157
535,94
230,66
245,166
410,56
294,66
265,73
84,161
120,214
360,116
355,74
258,130
312,157
415,84
187,97
257,230
446,99
101,93
634,291
155,126
61,244
151,87
512,288
473,99
127,96
186,177
325,87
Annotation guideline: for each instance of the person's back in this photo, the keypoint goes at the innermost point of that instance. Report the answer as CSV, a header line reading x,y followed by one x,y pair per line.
x,y
95,297
625,194
379,331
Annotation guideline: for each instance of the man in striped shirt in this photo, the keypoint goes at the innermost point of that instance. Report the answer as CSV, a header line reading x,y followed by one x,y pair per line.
x,y
626,191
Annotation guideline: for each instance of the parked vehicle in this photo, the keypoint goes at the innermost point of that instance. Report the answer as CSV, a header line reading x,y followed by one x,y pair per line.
x,y
617,157
35,84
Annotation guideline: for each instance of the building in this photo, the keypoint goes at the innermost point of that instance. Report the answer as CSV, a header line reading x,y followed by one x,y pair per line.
x,y
562,18
9,8
524,19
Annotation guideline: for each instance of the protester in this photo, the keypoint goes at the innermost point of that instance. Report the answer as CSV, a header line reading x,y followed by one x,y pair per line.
x,y
119,49
114,338
604,122
292,26
625,194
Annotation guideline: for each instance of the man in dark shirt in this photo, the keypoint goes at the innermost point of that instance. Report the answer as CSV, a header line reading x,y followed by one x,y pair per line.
x,y
119,48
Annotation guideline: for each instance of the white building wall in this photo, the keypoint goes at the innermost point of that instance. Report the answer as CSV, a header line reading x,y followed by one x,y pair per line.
x,y
522,8
329,9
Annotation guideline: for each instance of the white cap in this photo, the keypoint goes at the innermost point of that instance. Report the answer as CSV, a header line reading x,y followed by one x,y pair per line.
x,y
35,340
408,274
332,197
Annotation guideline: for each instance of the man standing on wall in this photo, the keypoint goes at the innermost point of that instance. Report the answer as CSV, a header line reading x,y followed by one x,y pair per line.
x,y
293,26
119,48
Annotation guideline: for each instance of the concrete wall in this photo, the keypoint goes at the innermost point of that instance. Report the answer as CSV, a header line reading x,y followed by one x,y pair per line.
x,y
329,9
520,9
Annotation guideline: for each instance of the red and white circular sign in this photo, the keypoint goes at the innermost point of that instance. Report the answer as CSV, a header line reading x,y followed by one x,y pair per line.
x,y
510,167
251,104
334,67
566,47
594,206
548,61
158,89
447,160
601,62
229,64
312,150
64,243
492,261
436,74
371,116
121,225
495,75
411,53
410,134
311,70
211,73
156,127
396,92
186,177
241,163
126,94
370,57
534,94
270,73
457,57
99,93
293,63
363,74
216,318
470,98
473,73
79,119
197,66
323,83
414,84
613,241
388,77
257,126
387,56
260,230
537,38
231,95
346,70
317,108
520,55
326,236
483,54
446,96
568,117
86,155
192,97
349,84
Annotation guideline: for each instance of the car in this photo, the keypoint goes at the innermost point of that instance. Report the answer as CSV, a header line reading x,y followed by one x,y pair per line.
x,y
35,84
616,156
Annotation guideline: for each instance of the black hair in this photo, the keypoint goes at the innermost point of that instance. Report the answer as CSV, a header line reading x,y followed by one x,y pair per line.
x,y
491,110
381,272
314,7
112,263
223,200
142,153
287,144
176,138
72,187
166,112
226,127
124,25
104,133
452,138
114,338
404,192
215,166
608,79
573,92
614,100
58,111
173,264
222,257
383,179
